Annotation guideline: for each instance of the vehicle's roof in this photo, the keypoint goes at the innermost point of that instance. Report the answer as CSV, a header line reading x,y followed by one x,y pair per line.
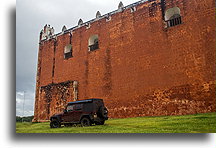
x,y
84,101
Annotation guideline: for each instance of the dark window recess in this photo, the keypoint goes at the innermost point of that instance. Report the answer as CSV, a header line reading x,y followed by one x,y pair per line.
x,y
174,21
68,51
94,46
68,55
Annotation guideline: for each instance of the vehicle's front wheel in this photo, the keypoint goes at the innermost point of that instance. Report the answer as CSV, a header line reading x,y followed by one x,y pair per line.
x,y
85,122
55,124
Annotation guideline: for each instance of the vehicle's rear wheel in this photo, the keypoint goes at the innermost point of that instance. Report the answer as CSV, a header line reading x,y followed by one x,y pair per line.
x,y
85,122
55,124
100,123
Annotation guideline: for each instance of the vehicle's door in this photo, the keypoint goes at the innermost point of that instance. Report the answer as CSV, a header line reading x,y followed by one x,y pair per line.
x,y
68,115
73,113
78,111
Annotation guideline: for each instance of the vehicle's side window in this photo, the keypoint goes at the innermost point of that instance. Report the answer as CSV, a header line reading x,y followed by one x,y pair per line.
x,y
78,107
70,108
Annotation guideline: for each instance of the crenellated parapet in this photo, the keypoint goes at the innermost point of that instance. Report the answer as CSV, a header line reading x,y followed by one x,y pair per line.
x,y
171,16
48,32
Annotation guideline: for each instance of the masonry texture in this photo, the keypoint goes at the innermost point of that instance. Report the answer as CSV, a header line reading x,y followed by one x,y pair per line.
x,y
143,66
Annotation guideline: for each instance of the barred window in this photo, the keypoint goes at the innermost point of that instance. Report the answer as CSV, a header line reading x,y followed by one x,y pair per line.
x,y
173,17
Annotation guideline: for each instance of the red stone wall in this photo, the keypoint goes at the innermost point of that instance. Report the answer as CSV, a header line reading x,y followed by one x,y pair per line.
x,y
141,68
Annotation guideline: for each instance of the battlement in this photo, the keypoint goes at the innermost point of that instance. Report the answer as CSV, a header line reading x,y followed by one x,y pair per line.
x,y
121,8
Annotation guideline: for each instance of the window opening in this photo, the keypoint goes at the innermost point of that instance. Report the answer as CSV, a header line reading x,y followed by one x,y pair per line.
x,y
78,107
173,17
93,43
68,51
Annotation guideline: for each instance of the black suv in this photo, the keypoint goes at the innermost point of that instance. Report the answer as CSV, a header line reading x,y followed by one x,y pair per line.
x,y
86,112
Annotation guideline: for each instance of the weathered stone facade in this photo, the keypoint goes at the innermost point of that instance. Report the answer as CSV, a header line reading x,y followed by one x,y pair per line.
x,y
144,66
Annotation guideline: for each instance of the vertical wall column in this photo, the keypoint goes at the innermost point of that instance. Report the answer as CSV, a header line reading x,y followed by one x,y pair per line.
x,y
53,69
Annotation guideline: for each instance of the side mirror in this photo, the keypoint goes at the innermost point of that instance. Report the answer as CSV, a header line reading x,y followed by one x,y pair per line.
x,y
65,111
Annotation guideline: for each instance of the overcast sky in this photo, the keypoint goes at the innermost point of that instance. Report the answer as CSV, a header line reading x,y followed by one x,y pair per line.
x,y
31,16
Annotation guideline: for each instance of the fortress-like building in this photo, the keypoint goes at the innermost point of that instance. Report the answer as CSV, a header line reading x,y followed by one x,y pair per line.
x,y
150,58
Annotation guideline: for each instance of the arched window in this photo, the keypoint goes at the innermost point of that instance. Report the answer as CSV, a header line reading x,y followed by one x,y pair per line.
x,y
68,51
173,17
93,43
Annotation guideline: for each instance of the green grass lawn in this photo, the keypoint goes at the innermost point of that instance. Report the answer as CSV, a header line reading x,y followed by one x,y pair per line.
x,y
199,123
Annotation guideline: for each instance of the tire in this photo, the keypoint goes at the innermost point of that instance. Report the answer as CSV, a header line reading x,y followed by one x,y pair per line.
x,y
100,123
85,122
55,124
103,112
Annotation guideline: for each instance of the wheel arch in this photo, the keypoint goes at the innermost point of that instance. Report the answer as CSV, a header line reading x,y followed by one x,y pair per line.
x,y
55,118
86,116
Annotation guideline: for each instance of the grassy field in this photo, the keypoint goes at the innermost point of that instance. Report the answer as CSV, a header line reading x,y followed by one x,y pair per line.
x,y
199,123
